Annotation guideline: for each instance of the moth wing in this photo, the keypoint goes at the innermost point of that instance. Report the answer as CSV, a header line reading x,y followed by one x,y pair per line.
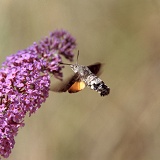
x,y
76,87
79,85
95,68
64,86
74,84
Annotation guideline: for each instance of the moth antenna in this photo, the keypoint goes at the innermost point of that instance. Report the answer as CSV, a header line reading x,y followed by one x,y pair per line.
x,y
77,57
69,63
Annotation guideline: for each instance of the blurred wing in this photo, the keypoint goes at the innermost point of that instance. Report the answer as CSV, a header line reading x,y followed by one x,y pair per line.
x,y
64,86
76,87
95,68
74,84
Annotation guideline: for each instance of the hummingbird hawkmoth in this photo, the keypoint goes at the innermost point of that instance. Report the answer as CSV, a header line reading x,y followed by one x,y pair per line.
x,y
84,76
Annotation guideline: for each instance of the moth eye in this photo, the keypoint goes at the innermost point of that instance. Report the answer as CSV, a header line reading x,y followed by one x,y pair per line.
x,y
85,72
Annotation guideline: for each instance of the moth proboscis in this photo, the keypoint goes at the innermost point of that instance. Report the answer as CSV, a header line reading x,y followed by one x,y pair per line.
x,y
84,76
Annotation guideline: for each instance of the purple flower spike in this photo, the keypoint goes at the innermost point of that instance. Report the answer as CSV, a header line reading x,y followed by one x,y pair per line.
x,y
25,82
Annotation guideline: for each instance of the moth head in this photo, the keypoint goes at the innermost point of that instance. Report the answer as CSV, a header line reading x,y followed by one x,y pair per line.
x,y
75,67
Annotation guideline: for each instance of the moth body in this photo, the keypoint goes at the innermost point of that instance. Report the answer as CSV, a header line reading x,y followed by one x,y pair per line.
x,y
84,76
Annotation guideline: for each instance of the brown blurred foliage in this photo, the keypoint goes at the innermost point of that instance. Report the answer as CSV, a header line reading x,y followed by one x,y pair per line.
x,y
123,34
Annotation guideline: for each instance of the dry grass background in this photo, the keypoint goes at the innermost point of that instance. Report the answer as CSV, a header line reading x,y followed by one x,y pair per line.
x,y
123,34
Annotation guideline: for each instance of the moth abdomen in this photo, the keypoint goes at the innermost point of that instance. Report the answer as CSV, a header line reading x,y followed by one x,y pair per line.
x,y
102,88
97,84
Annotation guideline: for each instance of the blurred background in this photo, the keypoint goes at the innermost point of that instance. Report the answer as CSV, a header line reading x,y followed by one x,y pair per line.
x,y
122,34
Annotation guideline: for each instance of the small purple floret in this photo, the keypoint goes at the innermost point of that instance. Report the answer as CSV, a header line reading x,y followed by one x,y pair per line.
x,y
25,82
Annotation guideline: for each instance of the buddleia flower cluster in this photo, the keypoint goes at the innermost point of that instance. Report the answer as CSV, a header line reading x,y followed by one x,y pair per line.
x,y
25,82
